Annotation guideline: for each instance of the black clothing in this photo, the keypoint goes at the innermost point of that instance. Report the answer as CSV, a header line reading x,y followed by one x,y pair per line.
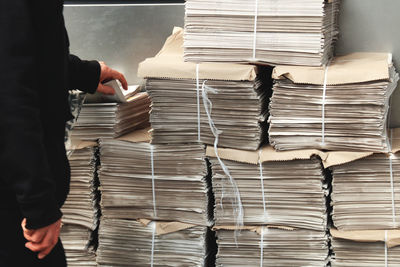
x,y
36,72
13,252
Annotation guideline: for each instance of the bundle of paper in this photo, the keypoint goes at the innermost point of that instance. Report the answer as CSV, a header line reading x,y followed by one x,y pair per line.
x,y
112,119
81,206
270,31
341,107
365,193
157,182
271,247
145,243
286,191
75,241
187,98
365,248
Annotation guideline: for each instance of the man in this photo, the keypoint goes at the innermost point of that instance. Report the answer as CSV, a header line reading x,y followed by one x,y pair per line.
x,y
36,72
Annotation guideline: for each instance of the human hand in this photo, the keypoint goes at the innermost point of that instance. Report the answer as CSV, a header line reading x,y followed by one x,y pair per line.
x,y
42,240
108,74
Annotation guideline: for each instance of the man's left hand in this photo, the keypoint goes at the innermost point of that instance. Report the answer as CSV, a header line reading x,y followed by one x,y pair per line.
x,y
108,74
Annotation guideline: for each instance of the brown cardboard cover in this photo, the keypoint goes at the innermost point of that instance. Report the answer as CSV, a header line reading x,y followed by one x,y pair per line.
x,y
77,144
142,135
163,228
352,68
257,229
169,63
393,236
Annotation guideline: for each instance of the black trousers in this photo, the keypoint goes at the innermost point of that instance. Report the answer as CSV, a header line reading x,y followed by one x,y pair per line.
x,y
13,252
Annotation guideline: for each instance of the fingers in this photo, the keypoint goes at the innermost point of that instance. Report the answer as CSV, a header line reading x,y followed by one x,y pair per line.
x,y
35,236
46,245
108,74
107,90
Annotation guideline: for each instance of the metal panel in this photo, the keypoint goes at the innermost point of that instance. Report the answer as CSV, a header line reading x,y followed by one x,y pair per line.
x,y
121,36
372,26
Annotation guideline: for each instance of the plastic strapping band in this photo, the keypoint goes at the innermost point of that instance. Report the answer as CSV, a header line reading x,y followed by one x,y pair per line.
x,y
262,247
153,244
386,249
198,102
323,104
237,205
153,180
262,184
392,189
255,29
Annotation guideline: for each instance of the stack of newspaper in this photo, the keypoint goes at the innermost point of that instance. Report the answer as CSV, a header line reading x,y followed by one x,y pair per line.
x,y
81,210
366,248
295,32
157,182
112,116
188,98
365,193
270,247
78,253
146,243
283,192
341,107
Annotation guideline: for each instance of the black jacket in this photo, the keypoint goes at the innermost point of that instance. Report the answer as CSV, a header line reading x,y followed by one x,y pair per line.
x,y
36,72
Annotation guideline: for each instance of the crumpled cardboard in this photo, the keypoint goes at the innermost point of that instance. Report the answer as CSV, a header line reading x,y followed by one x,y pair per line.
x,y
267,153
163,228
142,135
352,68
169,64
393,236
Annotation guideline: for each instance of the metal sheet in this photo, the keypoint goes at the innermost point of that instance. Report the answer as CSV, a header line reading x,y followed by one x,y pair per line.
x,y
372,26
121,36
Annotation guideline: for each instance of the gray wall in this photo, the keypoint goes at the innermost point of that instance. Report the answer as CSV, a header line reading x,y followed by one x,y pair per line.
x,y
124,36
121,36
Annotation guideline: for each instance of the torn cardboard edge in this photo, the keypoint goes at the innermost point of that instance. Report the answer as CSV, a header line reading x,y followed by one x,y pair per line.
x,y
393,236
169,64
257,229
349,69
138,136
163,228
269,154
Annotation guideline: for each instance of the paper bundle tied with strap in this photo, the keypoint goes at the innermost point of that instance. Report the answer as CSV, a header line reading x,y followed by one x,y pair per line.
x,y
366,248
271,246
138,179
343,106
279,188
204,102
296,32
150,243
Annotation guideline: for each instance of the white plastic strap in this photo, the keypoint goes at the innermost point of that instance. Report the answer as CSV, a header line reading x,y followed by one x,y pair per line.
x,y
392,189
153,180
237,205
153,239
262,185
386,249
198,102
324,103
262,247
255,29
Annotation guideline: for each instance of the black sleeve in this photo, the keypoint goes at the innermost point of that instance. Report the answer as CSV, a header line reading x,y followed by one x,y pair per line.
x,y
83,75
22,153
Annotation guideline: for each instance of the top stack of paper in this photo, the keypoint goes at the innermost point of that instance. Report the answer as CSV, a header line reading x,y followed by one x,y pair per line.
x,y
294,32
103,116
341,107
235,97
